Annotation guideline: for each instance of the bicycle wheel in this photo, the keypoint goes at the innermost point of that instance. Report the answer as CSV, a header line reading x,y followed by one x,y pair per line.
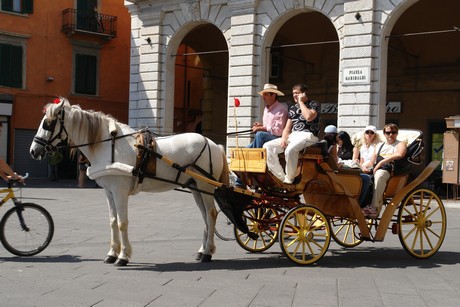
x,y
31,238
224,227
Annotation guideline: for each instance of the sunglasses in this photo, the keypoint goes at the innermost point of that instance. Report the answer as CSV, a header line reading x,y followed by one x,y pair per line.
x,y
390,132
369,132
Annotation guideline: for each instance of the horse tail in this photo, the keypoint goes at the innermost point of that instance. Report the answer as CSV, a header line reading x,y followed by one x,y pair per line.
x,y
224,175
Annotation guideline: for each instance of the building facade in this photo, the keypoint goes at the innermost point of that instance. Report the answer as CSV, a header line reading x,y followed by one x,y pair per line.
x,y
366,61
78,49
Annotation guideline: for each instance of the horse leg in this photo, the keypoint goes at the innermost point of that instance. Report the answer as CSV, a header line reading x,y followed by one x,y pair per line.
x,y
209,213
115,244
121,204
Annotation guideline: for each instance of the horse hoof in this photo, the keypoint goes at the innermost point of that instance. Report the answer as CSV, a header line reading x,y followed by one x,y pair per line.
x,y
110,259
198,256
121,262
206,258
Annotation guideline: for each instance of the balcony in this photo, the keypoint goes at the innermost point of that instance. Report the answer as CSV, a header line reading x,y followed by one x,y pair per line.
x,y
92,23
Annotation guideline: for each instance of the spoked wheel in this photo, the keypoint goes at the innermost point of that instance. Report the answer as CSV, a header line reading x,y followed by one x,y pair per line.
x,y
224,227
422,223
305,234
30,238
262,221
345,232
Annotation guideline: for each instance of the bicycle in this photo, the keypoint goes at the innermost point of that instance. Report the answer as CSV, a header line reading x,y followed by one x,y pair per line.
x,y
27,228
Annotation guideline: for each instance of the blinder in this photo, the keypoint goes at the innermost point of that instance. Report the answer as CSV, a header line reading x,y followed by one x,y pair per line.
x,y
51,126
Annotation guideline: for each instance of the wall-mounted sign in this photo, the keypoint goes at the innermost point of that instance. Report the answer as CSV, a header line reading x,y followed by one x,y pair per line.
x,y
331,108
393,107
356,75
328,108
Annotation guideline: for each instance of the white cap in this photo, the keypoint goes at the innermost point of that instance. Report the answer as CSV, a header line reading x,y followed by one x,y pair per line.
x,y
330,129
371,128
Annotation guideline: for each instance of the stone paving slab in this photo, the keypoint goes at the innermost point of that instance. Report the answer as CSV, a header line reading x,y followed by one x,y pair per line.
x,y
166,231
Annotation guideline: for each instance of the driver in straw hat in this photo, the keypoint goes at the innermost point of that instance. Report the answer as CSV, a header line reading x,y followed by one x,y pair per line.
x,y
274,118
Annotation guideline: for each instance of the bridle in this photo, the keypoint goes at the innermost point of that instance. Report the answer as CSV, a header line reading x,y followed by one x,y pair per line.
x,y
50,126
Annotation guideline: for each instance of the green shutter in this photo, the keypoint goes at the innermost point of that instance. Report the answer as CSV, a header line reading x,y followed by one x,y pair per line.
x,y
7,5
16,66
85,74
11,65
28,6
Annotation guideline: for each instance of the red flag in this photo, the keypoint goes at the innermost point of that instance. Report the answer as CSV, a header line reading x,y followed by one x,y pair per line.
x,y
237,102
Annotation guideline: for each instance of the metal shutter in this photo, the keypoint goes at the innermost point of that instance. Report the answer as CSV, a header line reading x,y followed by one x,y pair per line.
x,y
23,162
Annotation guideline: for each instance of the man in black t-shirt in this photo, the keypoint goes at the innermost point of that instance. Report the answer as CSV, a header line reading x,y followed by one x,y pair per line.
x,y
301,130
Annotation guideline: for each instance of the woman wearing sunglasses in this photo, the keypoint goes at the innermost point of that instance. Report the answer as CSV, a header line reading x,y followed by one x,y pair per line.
x,y
389,151
363,154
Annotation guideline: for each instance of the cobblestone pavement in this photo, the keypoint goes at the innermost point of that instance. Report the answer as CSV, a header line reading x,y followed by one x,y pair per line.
x,y
166,229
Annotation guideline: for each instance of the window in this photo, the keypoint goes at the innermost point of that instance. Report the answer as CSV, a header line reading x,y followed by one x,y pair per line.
x,y
11,65
85,74
18,6
275,67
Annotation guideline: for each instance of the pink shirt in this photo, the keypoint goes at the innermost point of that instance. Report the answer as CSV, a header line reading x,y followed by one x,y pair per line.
x,y
275,118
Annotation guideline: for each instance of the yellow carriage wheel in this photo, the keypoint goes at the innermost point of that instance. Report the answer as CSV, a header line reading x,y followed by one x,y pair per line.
x,y
304,234
422,223
262,221
345,231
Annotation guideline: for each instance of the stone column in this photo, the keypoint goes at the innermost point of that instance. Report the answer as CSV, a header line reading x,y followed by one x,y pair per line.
x,y
146,103
244,68
359,86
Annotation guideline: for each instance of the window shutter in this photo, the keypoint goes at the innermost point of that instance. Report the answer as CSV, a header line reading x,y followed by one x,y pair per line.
x,y
7,5
85,74
28,6
16,66
11,65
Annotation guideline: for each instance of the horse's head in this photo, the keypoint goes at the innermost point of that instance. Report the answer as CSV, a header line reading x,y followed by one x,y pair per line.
x,y
51,130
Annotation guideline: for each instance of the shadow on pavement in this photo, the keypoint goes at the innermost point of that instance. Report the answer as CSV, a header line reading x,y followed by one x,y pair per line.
x,y
380,258
47,259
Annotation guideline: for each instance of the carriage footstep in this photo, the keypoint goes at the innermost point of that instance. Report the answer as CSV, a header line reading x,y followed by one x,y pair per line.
x,y
121,262
110,259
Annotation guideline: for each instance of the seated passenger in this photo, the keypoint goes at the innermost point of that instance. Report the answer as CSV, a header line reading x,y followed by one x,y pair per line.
x,y
330,136
344,146
384,153
363,153
364,150
274,118
301,131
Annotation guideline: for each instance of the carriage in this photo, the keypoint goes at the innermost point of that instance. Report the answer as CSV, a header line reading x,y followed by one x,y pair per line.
x,y
303,217
273,211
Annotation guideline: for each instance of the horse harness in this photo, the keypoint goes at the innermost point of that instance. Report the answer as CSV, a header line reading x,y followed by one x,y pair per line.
x,y
146,150
147,156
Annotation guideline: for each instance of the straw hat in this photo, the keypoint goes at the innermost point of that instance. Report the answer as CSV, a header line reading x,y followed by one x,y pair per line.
x,y
270,88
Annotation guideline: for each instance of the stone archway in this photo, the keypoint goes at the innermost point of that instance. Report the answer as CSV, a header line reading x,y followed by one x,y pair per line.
x,y
423,68
295,54
199,85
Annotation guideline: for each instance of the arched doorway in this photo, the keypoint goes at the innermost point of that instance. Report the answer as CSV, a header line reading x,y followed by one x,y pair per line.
x,y
300,53
423,74
200,84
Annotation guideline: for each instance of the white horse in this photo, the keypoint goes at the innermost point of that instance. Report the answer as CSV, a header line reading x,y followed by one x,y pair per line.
x,y
112,165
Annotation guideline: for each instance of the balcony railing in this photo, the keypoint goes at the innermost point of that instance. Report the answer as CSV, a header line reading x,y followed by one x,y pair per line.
x,y
74,21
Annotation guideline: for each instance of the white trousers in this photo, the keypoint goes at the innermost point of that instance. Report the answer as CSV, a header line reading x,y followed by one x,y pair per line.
x,y
380,183
297,141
